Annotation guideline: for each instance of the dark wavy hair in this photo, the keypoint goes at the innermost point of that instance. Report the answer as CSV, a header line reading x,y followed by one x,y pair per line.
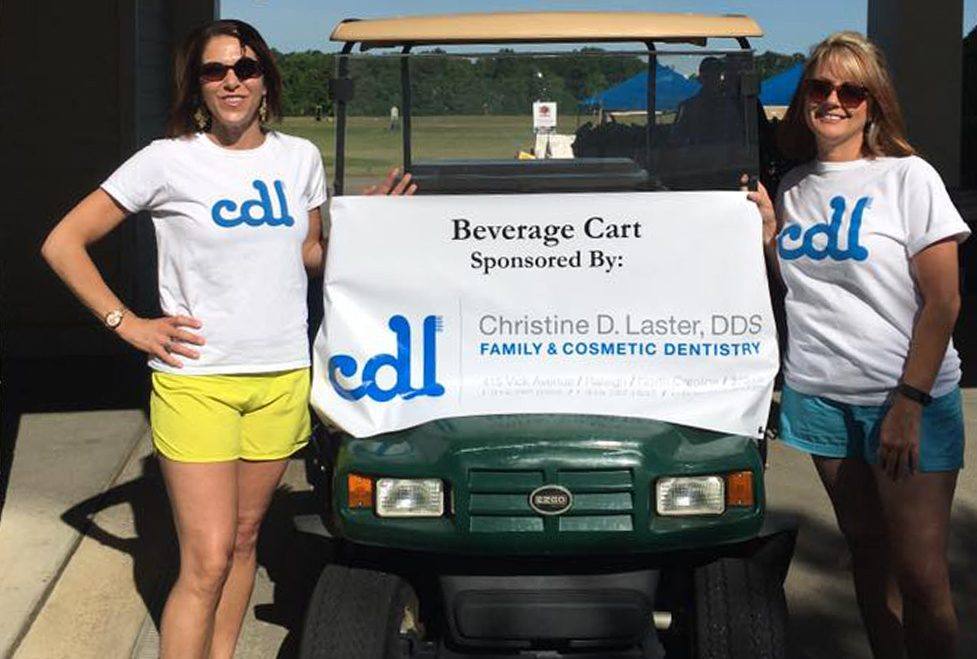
x,y
186,73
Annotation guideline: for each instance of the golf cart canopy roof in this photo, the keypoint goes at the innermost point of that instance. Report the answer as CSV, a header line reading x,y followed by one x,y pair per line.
x,y
552,27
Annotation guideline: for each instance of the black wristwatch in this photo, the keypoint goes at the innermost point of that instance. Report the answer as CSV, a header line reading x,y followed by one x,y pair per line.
x,y
912,393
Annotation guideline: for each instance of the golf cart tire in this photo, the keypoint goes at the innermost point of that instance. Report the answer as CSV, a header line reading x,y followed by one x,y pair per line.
x,y
741,611
355,614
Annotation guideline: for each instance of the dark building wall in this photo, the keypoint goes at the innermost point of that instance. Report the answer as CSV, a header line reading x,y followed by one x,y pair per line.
x,y
921,41
922,44
83,85
62,131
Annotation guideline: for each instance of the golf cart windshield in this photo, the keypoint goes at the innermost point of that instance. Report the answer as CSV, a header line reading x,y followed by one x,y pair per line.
x,y
606,115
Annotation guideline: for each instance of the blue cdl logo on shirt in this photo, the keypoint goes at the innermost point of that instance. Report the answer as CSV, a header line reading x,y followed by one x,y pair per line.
x,y
831,231
254,212
347,366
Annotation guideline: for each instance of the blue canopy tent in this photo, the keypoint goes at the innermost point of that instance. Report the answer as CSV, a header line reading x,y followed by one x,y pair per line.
x,y
671,88
779,89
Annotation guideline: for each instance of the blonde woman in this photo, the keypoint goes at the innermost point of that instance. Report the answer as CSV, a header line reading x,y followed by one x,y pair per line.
x,y
865,238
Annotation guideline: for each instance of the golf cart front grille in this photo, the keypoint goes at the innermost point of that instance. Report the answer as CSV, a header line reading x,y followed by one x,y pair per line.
x,y
498,500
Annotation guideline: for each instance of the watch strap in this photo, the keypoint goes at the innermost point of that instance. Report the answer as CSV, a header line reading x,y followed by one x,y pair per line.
x,y
912,393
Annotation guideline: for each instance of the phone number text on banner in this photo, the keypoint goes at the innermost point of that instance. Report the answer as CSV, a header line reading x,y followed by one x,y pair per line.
x,y
650,305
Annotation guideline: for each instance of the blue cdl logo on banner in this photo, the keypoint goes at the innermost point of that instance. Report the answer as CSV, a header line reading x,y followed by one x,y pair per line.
x,y
347,366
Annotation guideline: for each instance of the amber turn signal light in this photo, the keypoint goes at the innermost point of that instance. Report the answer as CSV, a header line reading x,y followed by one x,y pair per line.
x,y
739,489
360,491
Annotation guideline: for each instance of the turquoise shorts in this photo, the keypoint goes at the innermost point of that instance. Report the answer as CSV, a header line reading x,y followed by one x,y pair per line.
x,y
831,429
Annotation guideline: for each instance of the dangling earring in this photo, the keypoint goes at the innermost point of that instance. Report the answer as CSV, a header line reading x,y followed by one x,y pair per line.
x,y
871,135
201,117
263,110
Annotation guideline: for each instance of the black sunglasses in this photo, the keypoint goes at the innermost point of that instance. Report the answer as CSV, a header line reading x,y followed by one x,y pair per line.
x,y
850,95
244,68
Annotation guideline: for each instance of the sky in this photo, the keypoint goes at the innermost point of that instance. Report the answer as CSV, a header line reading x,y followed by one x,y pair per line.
x,y
791,25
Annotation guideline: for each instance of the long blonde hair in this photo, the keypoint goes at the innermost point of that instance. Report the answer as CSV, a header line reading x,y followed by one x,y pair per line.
x,y
861,62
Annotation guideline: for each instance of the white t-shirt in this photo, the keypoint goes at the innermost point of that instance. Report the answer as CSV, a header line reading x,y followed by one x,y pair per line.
x,y
850,230
229,231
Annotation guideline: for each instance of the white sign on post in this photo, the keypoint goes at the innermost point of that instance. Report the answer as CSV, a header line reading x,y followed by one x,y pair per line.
x,y
544,116
650,305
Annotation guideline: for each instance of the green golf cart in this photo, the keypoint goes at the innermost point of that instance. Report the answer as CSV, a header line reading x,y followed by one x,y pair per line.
x,y
547,535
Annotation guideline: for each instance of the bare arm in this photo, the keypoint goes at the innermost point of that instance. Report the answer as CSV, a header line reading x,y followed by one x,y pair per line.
x,y
936,277
771,225
314,245
66,251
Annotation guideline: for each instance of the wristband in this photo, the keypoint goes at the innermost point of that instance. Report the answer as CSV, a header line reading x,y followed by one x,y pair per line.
x,y
914,394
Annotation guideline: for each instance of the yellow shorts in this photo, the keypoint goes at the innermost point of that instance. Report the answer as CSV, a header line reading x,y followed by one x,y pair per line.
x,y
213,418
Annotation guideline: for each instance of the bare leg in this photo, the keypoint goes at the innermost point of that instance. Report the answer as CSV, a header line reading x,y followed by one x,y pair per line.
x,y
851,487
256,483
917,510
204,501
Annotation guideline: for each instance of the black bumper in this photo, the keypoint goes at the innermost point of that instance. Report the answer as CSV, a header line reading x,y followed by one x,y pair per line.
x,y
569,612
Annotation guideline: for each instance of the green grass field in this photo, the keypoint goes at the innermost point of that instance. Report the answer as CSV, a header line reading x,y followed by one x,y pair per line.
x,y
372,148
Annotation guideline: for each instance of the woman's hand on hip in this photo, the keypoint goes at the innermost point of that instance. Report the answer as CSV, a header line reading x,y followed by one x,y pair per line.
x,y
162,337
765,206
899,438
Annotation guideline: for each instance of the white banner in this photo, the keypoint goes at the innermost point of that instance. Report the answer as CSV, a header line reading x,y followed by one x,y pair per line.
x,y
649,305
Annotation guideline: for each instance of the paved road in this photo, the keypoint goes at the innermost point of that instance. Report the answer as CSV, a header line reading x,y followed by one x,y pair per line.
x,y
104,602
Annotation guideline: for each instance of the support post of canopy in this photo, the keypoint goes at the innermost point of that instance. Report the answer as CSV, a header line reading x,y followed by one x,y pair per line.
x,y
407,101
650,102
340,99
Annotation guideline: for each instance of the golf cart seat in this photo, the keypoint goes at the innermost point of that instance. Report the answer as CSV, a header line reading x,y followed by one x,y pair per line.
x,y
522,176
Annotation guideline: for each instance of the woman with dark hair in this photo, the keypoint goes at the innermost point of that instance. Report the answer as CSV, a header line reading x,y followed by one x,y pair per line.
x,y
236,209
866,238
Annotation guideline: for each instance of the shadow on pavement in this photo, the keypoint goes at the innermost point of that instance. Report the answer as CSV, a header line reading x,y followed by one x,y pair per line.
x,y
963,574
65,384
153,547
827,623
293,560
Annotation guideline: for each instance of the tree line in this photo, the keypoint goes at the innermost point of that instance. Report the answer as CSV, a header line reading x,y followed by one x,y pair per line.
x,y
502,84
507,84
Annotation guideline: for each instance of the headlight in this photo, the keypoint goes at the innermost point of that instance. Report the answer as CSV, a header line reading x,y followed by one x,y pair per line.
x,y
413,497
691,495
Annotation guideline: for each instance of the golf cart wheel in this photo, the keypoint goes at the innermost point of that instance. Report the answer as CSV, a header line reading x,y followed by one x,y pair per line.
x,y
358,614
740,611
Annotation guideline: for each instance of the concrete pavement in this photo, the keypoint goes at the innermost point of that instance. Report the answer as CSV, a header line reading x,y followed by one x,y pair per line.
x,y
104,602
121,566
61,459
